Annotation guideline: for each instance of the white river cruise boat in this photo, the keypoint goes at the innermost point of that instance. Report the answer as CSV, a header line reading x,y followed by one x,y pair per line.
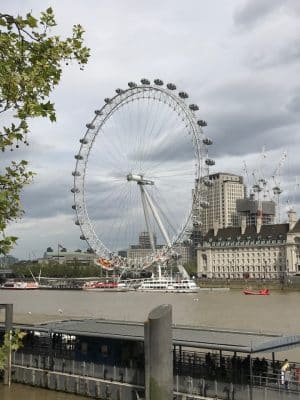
x,y
19,285
167,284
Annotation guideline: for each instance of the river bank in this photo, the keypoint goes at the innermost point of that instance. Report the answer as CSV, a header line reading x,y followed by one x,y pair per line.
x,y
289,285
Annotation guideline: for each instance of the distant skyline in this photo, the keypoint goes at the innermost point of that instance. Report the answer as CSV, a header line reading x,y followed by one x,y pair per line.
x,y
238,59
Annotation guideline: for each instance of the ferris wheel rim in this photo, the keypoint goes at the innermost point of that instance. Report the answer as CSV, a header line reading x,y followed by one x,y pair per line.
x,y
102,116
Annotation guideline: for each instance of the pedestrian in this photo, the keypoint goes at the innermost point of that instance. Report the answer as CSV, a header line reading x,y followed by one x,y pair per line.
x,y
287,378
283,369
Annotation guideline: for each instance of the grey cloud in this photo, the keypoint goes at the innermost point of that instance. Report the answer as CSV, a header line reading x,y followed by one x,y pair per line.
x,y
294,104
286,54
245,114
253,11
50,199
242,133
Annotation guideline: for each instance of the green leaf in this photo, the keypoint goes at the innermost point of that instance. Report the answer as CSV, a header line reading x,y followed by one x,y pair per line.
x,y
32,22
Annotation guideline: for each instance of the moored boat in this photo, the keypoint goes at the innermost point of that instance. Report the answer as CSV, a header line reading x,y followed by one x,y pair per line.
x,y
167,284
20,285
97,286
261,292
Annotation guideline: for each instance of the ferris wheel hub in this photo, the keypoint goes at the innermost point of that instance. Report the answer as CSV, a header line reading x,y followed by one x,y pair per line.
x,y
139,179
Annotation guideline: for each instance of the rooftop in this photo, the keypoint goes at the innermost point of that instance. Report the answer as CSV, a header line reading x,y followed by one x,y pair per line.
x,y
267,232
188,336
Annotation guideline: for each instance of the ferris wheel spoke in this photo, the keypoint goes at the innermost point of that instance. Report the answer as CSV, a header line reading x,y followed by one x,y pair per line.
x,y
151,130
117,225
152,138
145,137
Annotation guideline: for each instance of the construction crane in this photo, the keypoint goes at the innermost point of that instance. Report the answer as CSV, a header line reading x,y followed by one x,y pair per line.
x,y
260,182
264,188
277,190
245,173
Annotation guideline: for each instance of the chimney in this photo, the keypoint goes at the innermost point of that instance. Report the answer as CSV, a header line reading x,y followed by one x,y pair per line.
x,y
215,227
243,224
292,218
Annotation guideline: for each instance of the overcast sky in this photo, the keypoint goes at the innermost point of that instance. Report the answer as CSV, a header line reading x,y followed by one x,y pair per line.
x,y
239,60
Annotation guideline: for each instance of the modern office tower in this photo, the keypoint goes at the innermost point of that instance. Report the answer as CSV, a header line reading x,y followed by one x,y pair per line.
x,y
251,209
222,190
144,240
143,249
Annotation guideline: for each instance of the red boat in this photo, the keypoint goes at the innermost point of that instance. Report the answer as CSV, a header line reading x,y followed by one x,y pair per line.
x,y
105,286
261,292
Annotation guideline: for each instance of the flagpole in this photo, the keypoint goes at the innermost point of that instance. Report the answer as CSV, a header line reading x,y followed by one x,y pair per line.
x,y
58,253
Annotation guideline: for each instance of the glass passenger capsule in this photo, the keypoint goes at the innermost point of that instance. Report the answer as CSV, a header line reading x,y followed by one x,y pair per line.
x,y
132,84
171,86
90,126
207,141
201,122
183,95
193,107
209,161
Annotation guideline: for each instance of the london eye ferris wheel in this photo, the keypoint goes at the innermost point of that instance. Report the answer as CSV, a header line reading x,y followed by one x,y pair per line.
x,y
137,170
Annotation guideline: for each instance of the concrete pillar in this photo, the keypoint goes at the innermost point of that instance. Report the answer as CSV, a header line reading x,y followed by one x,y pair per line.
x,y
159,354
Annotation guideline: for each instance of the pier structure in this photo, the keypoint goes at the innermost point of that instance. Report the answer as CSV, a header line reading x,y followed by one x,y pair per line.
x,y
108,359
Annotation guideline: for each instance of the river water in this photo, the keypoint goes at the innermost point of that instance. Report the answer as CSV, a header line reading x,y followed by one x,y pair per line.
x,y
23,392
278,313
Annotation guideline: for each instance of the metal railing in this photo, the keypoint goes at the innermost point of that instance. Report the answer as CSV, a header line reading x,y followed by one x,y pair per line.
x,y
122,383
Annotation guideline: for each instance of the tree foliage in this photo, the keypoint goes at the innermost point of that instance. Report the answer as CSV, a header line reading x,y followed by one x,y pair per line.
x,y
31,61
54,270
11,342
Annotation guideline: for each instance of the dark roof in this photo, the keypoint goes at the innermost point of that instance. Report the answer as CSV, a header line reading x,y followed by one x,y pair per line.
x,y
296,228
267,232
217,174
189,336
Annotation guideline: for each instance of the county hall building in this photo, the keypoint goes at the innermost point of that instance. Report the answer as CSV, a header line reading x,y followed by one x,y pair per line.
x,y
264,251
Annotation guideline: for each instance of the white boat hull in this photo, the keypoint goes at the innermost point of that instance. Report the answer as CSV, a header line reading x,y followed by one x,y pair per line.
x,y
168,285
168,290
20,286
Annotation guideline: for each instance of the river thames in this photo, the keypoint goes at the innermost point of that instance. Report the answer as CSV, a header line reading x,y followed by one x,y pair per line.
x,y
278,313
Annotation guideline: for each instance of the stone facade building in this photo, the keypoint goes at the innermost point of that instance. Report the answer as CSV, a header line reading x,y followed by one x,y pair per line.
x,y
251,251
143,249
67,257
